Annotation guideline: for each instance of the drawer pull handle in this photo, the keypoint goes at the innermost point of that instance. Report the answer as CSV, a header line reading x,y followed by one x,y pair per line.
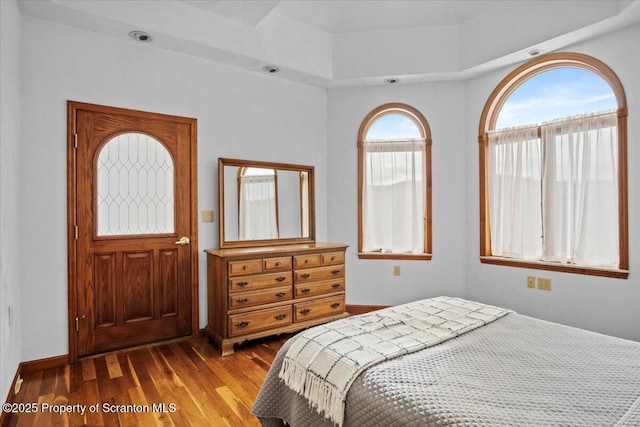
x,y
242,324
242,284
278,263
336,271
335,285
242,300
245,267
280,279
305,275
280,316
305,290
280,294
306,261
305,311
335,305
333,258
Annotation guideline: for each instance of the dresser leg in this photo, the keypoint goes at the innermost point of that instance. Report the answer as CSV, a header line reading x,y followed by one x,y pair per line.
x,y
227,348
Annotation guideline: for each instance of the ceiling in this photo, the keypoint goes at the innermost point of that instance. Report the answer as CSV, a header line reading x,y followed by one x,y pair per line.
x,y
334,16
329,43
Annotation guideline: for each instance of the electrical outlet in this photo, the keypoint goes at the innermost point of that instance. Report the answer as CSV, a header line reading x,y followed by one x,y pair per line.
x,y
207,216
544,283
396,270
531,282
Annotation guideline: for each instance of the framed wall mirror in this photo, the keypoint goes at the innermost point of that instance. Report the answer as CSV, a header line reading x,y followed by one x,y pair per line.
x,y
265,203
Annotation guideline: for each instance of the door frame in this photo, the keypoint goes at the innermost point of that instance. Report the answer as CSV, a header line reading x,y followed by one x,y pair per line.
x,y
72,261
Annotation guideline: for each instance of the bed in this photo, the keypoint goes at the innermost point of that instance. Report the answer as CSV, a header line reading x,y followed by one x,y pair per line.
x,y
512,371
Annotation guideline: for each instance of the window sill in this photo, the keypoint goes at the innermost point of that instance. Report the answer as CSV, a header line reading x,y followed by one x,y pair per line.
x,y
565,268
408,257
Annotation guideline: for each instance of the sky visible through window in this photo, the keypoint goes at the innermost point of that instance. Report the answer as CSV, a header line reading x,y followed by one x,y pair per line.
x,y
401,160
393,126
258,172
554,94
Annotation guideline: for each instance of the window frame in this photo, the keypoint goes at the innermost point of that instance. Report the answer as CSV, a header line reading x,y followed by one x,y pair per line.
x,y
488,121
425,131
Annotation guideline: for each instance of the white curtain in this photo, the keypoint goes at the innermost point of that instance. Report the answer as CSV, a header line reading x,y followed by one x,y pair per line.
x,y
257,210
514,181
581,190
394,196
304,204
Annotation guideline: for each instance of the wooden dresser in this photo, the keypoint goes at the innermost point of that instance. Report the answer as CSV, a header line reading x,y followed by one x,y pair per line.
x,y
260,291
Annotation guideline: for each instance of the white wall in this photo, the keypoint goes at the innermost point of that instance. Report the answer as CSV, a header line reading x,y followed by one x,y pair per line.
x,y
610,306
10,334
453,110
372,281
241,114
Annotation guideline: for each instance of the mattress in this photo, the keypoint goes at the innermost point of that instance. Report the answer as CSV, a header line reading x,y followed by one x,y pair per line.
x,y
515,371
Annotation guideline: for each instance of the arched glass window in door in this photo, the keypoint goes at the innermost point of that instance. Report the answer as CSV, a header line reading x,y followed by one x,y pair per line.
x,y
135,187
257,204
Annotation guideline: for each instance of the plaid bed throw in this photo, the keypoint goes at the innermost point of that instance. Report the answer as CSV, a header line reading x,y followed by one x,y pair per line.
x,y
325,360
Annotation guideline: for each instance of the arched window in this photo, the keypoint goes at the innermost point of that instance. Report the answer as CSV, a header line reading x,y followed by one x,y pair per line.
x,y
553,168
394,184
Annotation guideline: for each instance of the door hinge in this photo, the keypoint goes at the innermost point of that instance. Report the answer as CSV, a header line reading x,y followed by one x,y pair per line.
x,y
76,232
78,319
75,140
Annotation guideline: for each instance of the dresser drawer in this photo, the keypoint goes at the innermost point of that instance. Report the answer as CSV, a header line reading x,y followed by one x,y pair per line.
x,y
331,258
250,266
313,289
318,308
248,299
260,281
276,264
304,261
241,324
320,273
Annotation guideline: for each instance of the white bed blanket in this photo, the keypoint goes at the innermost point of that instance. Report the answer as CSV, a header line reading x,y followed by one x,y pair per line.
x,y
324,361
514,372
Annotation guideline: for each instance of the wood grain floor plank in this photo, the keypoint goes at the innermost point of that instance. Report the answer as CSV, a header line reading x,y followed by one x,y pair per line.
x,y
88,370
127,380
145,366
195,384
236,405
142,419
113,364
106,392
91,394
234,378
200,384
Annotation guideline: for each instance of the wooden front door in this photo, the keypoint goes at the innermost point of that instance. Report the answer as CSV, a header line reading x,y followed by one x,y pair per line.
x,y
132,228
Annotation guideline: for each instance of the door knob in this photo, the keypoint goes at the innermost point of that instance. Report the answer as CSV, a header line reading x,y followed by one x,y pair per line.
x,y
184,240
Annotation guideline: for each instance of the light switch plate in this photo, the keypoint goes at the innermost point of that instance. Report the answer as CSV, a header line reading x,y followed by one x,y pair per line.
x,y
207,216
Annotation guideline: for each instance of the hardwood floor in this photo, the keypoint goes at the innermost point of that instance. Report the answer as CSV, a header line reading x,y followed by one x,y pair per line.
x,y
195,384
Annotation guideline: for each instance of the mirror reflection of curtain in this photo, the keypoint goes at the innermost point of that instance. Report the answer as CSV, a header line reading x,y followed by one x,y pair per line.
x,y
257,206
304,204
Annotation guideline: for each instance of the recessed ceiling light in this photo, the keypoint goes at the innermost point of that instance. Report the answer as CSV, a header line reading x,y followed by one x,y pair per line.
x,y
140,36
271,69
535,52
392,80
